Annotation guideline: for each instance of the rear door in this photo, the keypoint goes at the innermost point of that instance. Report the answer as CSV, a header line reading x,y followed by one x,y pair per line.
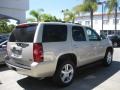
x,y
20,45
54,41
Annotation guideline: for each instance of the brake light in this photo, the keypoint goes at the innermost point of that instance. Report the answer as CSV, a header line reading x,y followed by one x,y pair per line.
x,y
22,26
38,52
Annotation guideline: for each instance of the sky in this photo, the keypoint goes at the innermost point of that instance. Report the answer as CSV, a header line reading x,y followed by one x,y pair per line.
x,y
52,7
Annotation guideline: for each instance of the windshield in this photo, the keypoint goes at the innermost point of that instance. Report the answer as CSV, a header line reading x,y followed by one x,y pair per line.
x,y
23,33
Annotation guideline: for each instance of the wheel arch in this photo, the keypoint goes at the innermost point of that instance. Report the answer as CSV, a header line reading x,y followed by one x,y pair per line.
x,y
72,57
110,49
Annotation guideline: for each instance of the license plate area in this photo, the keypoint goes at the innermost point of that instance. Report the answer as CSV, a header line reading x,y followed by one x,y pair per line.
x,y
16,52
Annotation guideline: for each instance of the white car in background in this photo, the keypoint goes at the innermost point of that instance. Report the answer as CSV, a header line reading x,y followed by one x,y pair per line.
x,y
3,51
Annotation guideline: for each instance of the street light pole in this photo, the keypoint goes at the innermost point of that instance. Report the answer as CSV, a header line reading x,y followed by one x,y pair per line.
x,y
115,17
64,11
102,16
102,3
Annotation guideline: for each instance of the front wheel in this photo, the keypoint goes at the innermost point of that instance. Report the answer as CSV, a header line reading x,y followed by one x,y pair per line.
x,y
108,58
65,73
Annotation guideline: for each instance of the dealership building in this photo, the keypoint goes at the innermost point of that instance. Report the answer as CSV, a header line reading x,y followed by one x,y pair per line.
x,y
108,23
14,9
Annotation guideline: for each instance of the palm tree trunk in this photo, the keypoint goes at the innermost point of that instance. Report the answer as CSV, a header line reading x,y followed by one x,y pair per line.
x,y
73,20
91,17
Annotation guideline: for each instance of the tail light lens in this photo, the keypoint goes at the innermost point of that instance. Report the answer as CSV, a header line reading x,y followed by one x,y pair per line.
x,y
38,52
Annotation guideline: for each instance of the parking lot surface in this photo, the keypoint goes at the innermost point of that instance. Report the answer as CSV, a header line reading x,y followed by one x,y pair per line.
x,y
95,77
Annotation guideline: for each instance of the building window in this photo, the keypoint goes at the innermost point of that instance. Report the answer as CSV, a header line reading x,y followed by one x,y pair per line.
x,y
114,21
87,23
96,22
105,21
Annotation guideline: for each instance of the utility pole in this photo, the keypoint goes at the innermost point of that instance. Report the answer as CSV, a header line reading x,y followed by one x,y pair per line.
x,y
116,18
102,16
102,3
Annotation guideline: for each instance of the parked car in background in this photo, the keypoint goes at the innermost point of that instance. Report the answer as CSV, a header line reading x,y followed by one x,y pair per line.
x,y
4,37
3,51
115,40
55,49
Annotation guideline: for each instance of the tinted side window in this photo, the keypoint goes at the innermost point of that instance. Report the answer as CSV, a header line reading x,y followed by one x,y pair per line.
x,y
92,35
78,33
54,33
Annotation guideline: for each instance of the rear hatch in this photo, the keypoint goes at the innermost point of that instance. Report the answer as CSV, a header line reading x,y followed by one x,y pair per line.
x,y
20,44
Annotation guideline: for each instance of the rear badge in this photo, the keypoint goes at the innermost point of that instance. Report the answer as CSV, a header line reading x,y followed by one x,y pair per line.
x,y
22,45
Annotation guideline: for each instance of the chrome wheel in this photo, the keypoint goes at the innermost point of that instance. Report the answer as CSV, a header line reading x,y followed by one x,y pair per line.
x,y
109,57
67,73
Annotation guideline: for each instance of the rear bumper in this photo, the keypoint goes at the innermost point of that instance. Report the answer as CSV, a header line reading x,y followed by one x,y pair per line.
x,y
41,70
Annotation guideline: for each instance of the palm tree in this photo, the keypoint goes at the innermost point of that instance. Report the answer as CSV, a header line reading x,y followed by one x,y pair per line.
x,y
112,5
69,15
36,14
87,6
39,16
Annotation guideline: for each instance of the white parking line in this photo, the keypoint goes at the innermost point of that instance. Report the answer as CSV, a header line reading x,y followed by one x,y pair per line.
x,y
113,83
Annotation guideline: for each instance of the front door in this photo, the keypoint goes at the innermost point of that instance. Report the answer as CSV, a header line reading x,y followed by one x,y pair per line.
x,y
95,43
80,45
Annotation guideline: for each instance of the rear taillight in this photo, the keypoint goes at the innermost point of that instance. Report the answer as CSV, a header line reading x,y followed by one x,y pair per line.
x,y
38,52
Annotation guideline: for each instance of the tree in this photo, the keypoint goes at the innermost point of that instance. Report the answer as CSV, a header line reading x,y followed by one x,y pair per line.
x,y
87,6
36,14
112,5
10,27
4,27
69,15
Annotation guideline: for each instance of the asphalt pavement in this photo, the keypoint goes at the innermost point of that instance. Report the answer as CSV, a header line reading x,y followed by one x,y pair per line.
x,y
95,77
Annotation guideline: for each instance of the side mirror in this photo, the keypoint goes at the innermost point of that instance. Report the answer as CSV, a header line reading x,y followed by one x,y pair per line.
x,y
102,37
4,46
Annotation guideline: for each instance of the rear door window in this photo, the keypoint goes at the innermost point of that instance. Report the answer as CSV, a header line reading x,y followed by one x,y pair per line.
x,y
78,33
23,33
54,33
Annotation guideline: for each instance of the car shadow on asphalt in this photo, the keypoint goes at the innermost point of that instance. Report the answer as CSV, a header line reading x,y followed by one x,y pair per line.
x,y
86,79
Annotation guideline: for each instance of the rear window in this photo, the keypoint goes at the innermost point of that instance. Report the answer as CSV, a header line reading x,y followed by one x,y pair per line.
x,y
23,33
54,33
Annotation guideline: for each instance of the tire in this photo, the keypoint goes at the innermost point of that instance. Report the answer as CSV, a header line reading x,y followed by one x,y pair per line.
x,y
108,58
65,73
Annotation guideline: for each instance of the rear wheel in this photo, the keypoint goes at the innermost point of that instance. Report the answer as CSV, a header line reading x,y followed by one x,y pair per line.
x,y
65,73
108,58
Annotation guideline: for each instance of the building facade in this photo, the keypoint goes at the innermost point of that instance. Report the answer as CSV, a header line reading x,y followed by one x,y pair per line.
x,y
14,9
108,23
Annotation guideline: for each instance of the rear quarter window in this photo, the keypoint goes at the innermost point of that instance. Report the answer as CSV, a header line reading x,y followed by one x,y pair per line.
x,y
54,33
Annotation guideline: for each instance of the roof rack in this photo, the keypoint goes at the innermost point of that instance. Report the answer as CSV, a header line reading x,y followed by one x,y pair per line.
x,y
70,22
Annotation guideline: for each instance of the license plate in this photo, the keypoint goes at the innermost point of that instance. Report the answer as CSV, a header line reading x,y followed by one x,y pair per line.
x,y
17,52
